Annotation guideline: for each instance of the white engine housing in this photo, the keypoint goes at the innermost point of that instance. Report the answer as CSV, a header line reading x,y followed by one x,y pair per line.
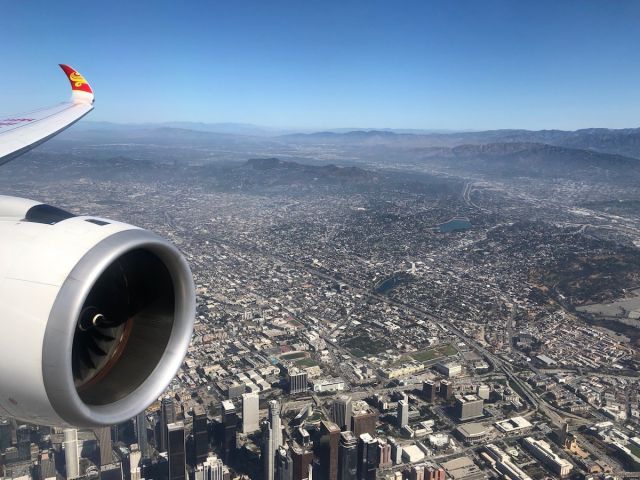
x,y
49,264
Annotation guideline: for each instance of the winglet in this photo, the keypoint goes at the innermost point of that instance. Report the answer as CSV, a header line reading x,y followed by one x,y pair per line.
x,y
80,89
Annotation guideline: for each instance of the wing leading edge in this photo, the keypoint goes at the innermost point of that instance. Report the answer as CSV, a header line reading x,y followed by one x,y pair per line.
x,y
21,133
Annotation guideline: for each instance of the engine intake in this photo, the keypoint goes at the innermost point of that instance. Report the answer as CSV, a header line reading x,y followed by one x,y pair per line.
x,y
119,329
96,316
123,328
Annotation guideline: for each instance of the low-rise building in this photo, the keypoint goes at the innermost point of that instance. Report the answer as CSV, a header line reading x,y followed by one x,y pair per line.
x,y
449,369
513,425
542,451
328,385
472,433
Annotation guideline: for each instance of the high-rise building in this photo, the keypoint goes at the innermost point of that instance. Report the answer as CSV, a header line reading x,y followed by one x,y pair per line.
x,y
297,380
5,435
211,469
341,411
176,451
403,412
167,416
14,430
417,472
10,456
468,407
276,424
329,441
367,457
348,456
396,450
103,435
483,391
200,435
34,450
46,467
429,390
434,473
23,435
302,462
284,465
134,462
563,433
230,423
384,454
362,422
268,455
142,436
446,389
272,439
71,453
250,412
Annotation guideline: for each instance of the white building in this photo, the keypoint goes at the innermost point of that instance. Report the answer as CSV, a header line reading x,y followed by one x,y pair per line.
x,y
450,369
71,453
134,461
412,454
542,451
250,415
403,412
328,385
212,469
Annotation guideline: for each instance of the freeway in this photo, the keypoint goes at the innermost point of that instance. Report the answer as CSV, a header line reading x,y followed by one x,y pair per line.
x,y
466,196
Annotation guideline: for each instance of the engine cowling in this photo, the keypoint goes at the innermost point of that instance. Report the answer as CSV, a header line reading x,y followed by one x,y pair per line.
x,y
96,316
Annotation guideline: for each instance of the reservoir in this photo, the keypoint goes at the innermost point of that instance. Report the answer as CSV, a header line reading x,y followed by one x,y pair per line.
x,y
455,224
390,283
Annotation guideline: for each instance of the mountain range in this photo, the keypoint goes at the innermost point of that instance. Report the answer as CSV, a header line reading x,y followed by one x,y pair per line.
x,y
624,142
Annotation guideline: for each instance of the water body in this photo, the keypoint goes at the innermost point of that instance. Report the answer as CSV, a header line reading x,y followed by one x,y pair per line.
x,y
455,224
392,282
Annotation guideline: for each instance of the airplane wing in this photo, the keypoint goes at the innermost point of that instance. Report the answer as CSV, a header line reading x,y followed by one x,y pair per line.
x,y
21,133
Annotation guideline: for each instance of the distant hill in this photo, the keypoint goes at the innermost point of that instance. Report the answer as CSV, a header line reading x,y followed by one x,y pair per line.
x,y
533,160
621,142
273,171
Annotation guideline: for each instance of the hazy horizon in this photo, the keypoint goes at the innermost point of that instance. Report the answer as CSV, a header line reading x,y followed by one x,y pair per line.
x,y
89,123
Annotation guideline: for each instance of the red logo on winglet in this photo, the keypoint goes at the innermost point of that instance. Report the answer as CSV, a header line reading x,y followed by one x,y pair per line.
x,y
77,81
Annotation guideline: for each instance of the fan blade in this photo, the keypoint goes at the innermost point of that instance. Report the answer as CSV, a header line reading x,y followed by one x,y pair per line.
x,y
94,347
75,366
101,336
86,358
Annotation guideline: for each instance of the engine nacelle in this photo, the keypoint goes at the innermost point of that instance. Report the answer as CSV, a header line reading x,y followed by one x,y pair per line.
x,y
96,316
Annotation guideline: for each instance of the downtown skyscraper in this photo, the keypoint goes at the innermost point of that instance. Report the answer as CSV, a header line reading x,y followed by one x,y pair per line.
x,y
167,416
272,440
176,451
141,434
250,412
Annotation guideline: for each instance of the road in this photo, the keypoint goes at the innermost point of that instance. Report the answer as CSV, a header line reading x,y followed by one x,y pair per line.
x,y
466,196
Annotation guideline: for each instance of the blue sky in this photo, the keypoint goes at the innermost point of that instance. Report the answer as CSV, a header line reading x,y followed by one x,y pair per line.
x,y
321,64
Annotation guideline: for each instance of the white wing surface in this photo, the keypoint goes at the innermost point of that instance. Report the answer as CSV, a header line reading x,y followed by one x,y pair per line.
x,y
21,133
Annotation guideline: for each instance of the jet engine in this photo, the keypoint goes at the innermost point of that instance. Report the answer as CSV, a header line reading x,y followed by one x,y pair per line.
x,y
96,316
